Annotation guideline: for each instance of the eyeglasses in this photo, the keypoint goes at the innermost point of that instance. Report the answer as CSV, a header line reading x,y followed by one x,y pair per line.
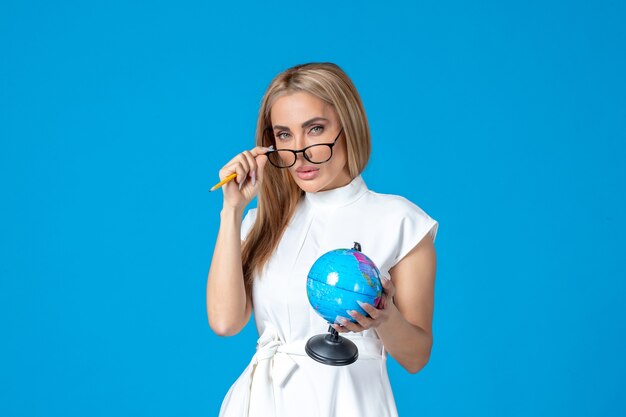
x,y
315,154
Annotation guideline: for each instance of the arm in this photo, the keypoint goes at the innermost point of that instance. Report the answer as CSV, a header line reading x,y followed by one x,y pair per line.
x,y
404,321
228,305
407,334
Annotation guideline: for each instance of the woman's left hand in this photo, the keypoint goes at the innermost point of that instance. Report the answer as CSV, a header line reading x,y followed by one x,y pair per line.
x,y
377,317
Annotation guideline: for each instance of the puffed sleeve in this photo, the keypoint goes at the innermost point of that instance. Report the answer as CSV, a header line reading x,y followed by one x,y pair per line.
x,y
247,222
414,225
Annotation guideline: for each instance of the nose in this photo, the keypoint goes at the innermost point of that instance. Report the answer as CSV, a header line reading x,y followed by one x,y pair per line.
x,y
300,142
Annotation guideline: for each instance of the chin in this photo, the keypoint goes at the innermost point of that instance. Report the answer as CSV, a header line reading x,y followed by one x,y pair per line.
x,y
310,186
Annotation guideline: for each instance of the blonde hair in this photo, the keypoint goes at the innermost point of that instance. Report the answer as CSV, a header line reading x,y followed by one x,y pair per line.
x,y
279,194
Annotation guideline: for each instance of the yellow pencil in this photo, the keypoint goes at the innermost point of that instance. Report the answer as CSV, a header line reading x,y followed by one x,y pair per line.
x,y
224,181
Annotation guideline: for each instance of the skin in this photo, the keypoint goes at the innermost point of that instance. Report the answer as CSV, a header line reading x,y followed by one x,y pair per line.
x,y
403,320
288,114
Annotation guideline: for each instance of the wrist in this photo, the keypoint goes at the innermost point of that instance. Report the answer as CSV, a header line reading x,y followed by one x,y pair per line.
x,y
232,212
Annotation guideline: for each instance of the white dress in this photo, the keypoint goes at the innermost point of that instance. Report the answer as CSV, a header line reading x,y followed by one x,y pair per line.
x,y
281,380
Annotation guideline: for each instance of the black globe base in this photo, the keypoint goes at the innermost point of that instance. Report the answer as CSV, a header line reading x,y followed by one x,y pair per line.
x,y
332,349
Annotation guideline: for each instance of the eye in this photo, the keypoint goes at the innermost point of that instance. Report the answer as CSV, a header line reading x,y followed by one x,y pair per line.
x,y
282,135
317,129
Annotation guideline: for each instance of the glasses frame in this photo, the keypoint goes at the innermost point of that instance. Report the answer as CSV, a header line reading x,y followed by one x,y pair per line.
x,y
295,153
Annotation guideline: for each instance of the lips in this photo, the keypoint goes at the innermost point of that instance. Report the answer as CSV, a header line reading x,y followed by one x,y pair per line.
x,y
307,173
307,168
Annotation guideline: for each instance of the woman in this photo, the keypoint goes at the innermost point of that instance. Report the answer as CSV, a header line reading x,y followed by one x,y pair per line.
x,y
309,202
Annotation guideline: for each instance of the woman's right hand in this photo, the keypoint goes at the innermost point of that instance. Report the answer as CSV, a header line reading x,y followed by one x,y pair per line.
x,y
249,166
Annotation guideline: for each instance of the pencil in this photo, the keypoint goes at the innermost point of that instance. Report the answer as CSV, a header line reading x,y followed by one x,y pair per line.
x,y
224,181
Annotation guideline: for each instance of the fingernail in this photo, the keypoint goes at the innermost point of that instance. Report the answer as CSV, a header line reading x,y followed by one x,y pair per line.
x,y
360,303
341,320
253,176
241,184
350,312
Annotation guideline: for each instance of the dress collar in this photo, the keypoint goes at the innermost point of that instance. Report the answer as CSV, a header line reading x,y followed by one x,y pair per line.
x,y
340,196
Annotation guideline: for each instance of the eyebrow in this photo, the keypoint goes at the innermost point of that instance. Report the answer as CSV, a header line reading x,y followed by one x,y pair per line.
x,y
305,124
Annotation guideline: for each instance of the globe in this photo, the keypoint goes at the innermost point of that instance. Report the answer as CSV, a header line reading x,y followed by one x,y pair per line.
x,y
338,279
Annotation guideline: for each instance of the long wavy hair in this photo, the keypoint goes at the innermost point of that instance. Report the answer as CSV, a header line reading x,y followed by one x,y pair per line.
x,y
279,194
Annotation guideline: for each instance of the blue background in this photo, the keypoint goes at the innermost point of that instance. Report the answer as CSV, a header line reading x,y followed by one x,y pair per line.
x,y
504,122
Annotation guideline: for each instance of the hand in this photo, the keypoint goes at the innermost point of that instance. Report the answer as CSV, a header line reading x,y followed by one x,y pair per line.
x,y
377,317
249,166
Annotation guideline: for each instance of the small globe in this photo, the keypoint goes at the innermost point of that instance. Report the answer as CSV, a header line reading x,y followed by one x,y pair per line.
x,y
338,279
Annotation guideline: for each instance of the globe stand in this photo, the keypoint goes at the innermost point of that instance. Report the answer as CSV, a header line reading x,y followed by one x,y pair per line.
x,y
332,349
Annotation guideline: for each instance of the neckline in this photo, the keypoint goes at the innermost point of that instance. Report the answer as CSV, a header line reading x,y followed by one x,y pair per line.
x,y
338,197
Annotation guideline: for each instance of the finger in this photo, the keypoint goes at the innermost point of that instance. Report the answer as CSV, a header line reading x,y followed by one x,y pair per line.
x,y
259,150
250,159
245,161
234,168
230,168
258,153
238,159
246,168
370,309
386,282
252,165
383,302
388,287
350,326
361,319
339,328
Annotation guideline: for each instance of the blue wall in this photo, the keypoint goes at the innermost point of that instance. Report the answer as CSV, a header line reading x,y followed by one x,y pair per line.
x,y
505,122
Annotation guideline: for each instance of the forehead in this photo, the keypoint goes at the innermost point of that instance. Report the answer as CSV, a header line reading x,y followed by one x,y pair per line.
x,y
294,108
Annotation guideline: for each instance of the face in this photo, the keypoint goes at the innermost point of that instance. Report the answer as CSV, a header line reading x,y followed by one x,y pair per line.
x,y
300,119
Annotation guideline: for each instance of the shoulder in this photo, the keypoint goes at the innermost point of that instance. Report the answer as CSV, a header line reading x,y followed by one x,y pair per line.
x,y
394,206
404,222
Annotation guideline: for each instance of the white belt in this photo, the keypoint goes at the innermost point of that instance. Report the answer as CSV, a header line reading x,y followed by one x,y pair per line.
x,y
252,394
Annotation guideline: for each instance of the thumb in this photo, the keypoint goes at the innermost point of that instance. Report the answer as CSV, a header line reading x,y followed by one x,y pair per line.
x,y
388,286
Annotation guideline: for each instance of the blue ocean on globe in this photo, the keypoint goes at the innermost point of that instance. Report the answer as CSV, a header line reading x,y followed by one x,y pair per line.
x,y
338,279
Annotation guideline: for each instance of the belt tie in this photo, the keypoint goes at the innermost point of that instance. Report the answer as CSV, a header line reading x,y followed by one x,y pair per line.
x,y
252,395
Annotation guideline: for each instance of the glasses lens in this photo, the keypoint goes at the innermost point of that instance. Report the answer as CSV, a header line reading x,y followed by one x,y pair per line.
x,y
282,158
319,153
